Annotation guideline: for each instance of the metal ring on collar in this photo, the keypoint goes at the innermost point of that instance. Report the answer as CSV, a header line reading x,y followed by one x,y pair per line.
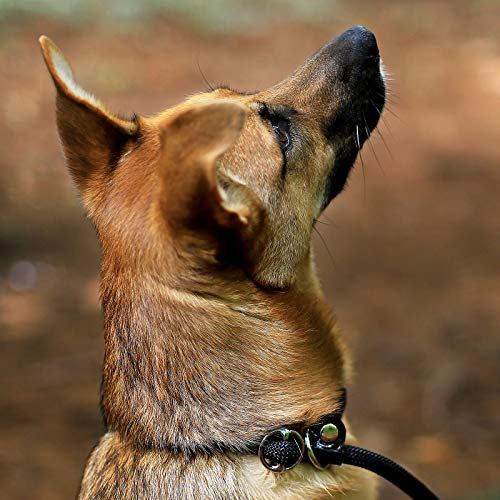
x,y
312,456
286,435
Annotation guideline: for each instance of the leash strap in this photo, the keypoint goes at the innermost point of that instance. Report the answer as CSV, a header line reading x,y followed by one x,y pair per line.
x,y
324,445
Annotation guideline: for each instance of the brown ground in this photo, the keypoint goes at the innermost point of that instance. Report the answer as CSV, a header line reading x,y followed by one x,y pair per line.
x,y
414,273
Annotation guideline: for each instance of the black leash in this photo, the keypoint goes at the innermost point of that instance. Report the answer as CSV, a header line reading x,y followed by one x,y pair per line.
x,y
324,442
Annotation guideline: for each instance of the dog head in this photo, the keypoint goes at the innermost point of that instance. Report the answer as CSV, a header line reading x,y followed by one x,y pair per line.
x,y
225,177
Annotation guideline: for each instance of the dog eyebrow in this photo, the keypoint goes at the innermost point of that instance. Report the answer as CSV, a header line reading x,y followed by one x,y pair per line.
x,y
276,110
224,86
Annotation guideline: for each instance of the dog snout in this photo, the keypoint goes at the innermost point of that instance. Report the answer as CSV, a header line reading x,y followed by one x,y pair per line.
x,y
342,70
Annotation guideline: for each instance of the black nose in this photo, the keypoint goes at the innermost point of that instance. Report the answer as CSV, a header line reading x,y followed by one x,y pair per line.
x,y
363,41
347,67
357,45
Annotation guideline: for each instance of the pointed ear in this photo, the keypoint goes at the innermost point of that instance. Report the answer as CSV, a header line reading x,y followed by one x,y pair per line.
x,y
92,136
196,191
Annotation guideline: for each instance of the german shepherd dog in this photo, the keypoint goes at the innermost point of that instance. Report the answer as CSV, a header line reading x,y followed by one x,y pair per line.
x,y
216,330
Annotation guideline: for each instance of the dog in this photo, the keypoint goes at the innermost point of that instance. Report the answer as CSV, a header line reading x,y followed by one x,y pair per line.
x,y
216,330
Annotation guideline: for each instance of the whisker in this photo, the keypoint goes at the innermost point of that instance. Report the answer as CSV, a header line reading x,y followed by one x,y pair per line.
x,y
207,83
362,162
322,222
368,133
385,143
364,175
325,245
356,138
390,100
328,219
383,119
391,95
376,107
389,110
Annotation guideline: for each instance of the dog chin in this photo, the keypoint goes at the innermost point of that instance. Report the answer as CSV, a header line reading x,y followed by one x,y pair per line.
x,y
339,173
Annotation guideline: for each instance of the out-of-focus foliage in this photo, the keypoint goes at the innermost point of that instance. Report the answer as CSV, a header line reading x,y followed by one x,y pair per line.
x,y
212,15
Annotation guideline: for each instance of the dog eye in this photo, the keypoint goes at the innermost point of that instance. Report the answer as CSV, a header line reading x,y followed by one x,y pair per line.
x,y
282,130
279,123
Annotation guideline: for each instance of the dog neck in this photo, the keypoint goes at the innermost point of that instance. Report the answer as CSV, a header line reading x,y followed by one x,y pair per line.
x,y
207,365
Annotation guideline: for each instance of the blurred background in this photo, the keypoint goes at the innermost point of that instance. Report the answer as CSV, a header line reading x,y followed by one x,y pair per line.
x,y
408,254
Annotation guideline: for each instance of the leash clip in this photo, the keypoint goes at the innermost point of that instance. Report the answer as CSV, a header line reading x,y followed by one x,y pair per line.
x,y
281,450
325,441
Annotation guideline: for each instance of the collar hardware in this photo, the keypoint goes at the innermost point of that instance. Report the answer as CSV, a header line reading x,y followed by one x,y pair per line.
x,y
283,449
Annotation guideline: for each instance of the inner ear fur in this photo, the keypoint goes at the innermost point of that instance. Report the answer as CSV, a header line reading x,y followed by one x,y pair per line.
x,y
196,191
92,136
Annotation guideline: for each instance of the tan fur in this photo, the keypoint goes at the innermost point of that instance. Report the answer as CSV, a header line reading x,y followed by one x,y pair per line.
x,y
216,331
